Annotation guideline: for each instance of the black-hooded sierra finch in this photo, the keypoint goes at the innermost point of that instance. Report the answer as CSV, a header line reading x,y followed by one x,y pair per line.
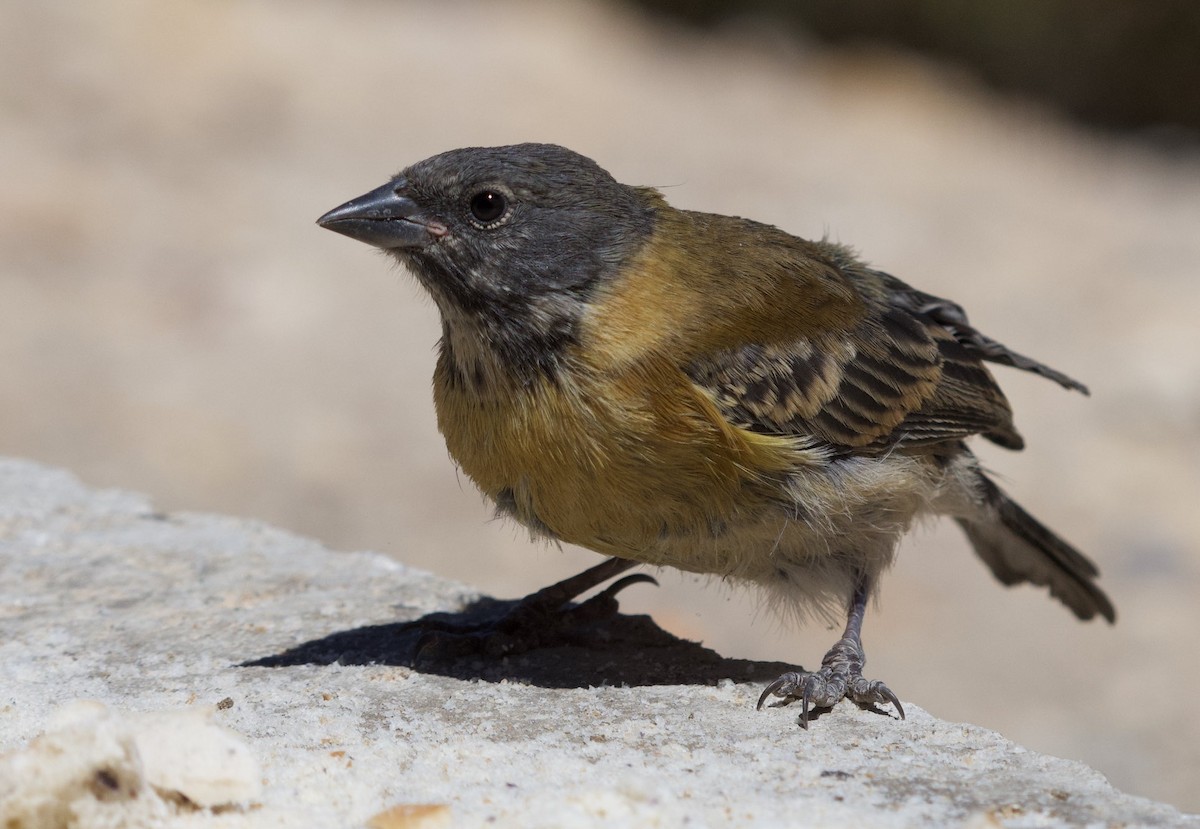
x,y
704,392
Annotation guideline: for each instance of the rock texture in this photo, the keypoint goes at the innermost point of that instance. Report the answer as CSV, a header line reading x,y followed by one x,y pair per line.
x,y
155,616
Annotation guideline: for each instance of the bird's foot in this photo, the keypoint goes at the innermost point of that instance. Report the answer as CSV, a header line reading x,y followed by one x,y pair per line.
x,y
542,619
840,677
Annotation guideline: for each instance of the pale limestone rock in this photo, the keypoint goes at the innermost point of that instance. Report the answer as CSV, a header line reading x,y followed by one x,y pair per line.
x,y
101,598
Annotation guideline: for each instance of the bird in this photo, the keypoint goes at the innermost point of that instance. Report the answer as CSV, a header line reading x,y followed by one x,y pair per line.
x,y
705,392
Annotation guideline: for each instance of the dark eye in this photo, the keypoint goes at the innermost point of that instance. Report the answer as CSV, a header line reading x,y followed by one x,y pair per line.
x,y
488,206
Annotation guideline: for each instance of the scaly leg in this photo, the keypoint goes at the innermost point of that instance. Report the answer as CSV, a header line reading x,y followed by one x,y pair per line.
x,y
840,675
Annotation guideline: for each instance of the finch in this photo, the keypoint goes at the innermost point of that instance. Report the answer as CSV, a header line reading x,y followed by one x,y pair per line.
x,y
704,392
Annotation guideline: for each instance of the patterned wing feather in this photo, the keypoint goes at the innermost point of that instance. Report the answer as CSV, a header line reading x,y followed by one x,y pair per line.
x,y
898,379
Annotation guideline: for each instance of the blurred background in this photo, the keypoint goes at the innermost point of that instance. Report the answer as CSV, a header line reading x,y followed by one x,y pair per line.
x,y
172,320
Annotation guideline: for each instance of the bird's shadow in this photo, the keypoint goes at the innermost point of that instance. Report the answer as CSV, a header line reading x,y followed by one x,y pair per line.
x,y
615,649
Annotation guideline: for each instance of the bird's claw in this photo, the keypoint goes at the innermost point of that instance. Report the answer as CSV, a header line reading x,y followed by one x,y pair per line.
x,y
876,694
541,619
604,603
825,688
789,681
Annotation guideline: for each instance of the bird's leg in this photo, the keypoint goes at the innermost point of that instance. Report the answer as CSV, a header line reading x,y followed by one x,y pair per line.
x,y
840,675
540,619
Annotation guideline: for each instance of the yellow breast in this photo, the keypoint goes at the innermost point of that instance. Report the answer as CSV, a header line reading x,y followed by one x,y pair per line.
x,y
614,462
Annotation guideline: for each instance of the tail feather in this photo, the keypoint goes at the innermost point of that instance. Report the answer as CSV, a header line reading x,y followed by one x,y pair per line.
x,y
1018,548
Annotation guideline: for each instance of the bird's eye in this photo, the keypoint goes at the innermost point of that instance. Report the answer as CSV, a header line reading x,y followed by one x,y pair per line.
x,y
488,206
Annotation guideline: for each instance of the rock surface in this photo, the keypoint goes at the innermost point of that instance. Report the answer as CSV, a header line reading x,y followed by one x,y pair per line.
x,y
103,598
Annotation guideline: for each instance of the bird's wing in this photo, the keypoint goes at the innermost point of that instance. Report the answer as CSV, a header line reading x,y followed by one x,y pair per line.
x,y
953,318
902,377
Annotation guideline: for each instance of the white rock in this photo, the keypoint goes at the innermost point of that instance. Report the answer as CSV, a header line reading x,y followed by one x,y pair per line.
x,y
94,764
102,599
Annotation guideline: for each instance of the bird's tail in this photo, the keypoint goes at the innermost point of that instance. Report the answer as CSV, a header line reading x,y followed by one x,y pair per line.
x,y
1018,548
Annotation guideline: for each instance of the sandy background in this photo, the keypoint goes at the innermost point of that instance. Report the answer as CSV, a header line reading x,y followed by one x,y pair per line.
x,y
171,320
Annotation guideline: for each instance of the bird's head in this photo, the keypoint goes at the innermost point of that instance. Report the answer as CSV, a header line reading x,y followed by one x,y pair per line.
x,y
512,238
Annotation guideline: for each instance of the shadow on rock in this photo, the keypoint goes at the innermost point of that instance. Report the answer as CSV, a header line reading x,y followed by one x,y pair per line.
x,y
614,649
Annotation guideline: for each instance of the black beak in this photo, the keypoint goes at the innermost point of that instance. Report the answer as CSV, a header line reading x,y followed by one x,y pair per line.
x,y
383,218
